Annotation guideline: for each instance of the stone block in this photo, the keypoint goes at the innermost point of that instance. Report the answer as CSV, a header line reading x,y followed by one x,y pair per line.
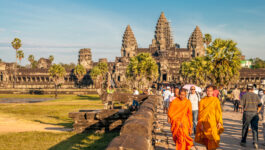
x,y
130,142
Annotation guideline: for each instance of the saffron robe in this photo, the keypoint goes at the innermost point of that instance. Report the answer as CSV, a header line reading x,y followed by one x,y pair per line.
x,y
180,112
210,114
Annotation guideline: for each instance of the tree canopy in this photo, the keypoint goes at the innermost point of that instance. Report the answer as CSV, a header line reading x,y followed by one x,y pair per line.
x,y
51,58
142,70
220,66
79,72
57,73
257,63
20,55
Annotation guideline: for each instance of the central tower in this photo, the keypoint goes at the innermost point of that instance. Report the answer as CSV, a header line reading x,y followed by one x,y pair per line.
x,y
163,39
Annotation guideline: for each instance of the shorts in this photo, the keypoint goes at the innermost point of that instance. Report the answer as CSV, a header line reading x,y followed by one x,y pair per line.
x,y
166,104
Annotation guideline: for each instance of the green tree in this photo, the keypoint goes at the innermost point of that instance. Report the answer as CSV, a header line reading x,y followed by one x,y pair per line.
x,y
68,66
220,66
142,70
257,63
31,59
51,58
20,55
16,44
79,72
99,74
57,73
207,39
224,57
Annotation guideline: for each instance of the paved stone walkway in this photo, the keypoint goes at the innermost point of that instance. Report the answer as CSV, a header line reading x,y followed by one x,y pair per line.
x,y
230,139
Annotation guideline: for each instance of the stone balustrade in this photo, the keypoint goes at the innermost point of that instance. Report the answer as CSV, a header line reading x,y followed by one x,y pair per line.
x,y
136,133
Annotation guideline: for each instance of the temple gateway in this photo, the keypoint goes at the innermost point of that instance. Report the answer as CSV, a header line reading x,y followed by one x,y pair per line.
x,y
167,54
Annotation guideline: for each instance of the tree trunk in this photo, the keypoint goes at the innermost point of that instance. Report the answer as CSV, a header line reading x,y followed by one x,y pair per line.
x,y
55,90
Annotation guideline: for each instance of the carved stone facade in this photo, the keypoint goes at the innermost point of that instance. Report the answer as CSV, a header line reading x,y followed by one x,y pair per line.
x,y
85,58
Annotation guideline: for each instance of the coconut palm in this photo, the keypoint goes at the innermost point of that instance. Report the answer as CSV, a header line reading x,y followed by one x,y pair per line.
x,y
79,72
207,39
20,55
57,73
99,73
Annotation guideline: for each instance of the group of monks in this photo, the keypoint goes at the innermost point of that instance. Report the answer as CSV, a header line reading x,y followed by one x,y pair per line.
x,y
209,126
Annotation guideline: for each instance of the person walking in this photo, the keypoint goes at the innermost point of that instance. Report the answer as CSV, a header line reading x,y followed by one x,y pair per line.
x,y
166,95
135,104
210,122
236,98
251,105
180,117
194,98
222,97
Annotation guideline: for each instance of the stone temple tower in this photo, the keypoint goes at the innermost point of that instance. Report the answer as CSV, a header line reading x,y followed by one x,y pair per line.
x,y
196,44
85,59
129,44
163,39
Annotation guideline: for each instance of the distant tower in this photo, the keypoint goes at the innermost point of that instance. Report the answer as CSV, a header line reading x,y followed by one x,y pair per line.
x,y
85,58
129,44
196,44
163,39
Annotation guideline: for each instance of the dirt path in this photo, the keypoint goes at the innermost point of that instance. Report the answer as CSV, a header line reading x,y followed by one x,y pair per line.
x,y
230,139
11,124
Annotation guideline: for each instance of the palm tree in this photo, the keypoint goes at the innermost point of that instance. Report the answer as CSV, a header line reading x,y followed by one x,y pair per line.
x,y
224,56
57,73
31,59
79,72
142,70
51,58
207,39
20,55
16,44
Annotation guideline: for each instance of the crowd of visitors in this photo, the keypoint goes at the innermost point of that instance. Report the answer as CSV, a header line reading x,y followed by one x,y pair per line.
x,y
192,111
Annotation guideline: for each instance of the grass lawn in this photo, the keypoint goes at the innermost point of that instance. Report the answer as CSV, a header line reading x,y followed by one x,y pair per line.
x,y
54,112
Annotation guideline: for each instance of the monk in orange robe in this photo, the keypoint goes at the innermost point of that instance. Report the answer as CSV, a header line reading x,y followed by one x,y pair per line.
x,y
180,117
210,122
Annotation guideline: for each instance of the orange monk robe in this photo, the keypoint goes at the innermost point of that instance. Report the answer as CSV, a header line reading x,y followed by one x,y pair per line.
x,y
180,112
210,115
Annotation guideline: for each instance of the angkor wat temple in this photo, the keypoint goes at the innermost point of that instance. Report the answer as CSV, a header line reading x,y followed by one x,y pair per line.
x,y
167,54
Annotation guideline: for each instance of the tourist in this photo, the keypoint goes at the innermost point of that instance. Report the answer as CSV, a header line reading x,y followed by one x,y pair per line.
x,y
194,98
180,116
243,92
210,123
236,98
166,96
108,104
251,105
135,103
222,97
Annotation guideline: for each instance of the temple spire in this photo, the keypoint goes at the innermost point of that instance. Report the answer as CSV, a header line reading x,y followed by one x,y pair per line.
x,y
163,39
129,43
195,43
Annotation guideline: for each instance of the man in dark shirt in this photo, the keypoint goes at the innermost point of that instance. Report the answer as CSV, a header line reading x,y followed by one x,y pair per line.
x,y
251,105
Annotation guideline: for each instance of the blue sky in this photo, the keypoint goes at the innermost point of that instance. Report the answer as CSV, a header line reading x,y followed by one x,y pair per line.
x,y
62,27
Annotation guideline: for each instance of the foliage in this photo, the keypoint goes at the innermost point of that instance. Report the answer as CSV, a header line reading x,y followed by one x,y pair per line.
x,y
99,74
20,55
79,72
31,59
142,70
257,63
16,43
57,73
207,39
1,60
68,66
220,66
51,58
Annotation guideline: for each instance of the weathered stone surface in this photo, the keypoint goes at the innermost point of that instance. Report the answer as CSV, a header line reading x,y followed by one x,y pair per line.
x,y
130,142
